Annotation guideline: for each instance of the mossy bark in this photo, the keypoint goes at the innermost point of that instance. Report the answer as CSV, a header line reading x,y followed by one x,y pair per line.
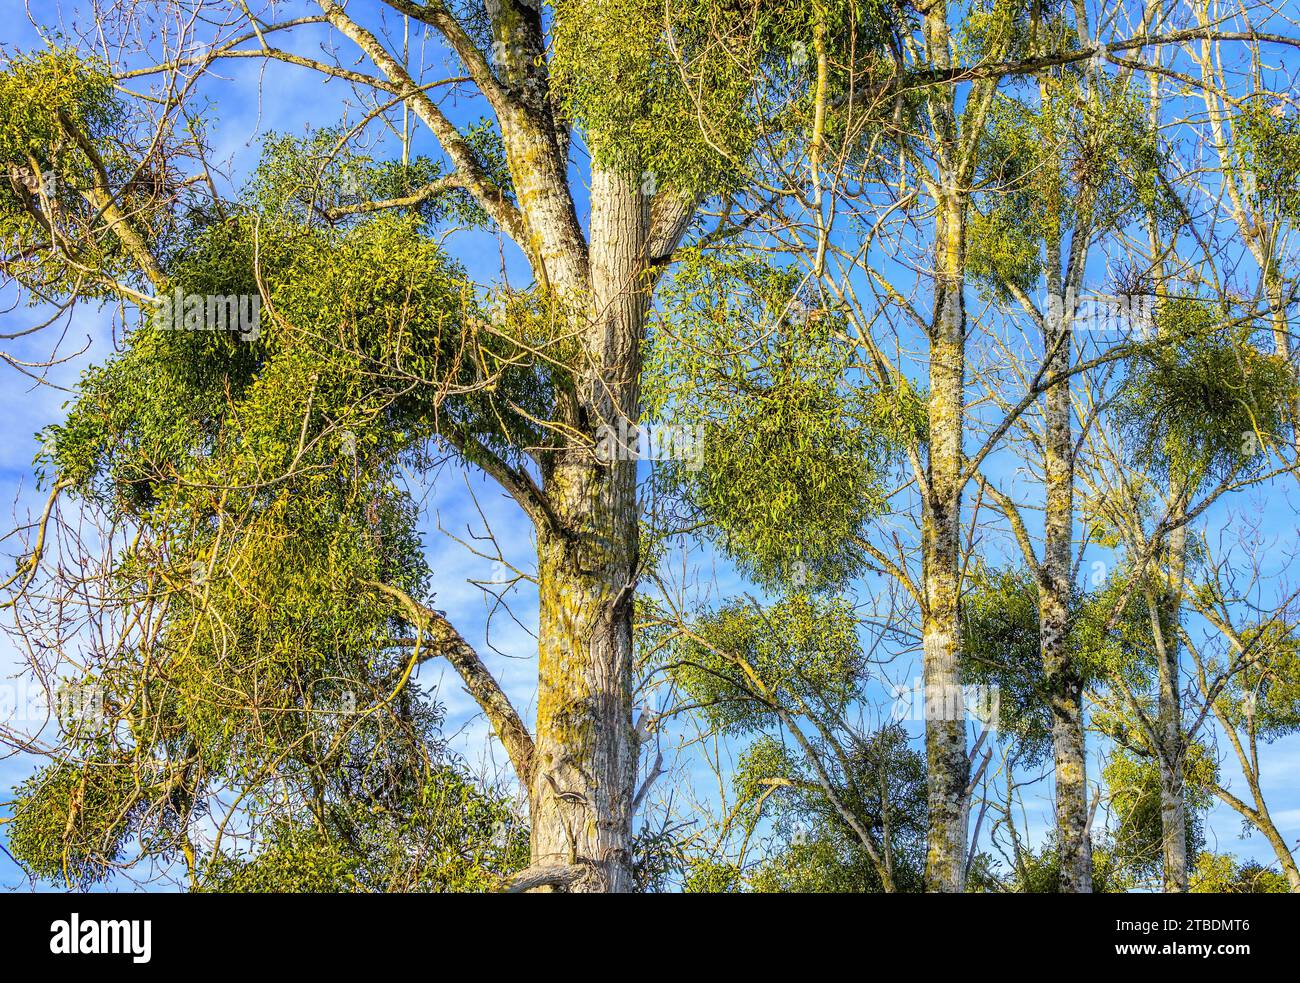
x,y
585,749
584,772
1169,723
945,724
1064,686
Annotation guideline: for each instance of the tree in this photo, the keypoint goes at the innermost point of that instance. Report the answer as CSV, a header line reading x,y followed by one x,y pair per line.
x,y
415,360
1062,172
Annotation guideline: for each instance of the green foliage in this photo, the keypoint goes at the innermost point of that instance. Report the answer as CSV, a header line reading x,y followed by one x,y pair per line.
x,y
1082,156
37,89
1026,29
1125,649
787,482
450,836
824,863
677,92
1201,401
764,761
371,331
1004,251
1001,648
1221,873
45,99
1040,872
617,77
302,179
1265,694
70,819
704,876
1133,779
814,849
796,456
657,862
745,661
265,477
1267,147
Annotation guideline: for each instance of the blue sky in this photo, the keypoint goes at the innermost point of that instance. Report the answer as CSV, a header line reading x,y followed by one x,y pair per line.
x,y
250,100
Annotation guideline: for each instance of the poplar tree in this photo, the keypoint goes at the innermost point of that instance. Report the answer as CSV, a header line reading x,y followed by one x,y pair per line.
x,y
378,341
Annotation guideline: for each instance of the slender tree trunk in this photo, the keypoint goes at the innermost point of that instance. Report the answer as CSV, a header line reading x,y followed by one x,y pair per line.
x,y
955,151
945,724
1065,689
586,750
1169,723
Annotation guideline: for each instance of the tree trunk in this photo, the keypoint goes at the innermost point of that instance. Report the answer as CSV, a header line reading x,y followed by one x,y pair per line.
x,y
584,773
1173,805
1169,723
1173,817
1065,689
945,717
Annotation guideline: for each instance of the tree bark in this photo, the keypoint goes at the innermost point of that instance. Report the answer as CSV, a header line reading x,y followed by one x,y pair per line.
x,y
948,767
945,723
1169,724
586,749
1064,687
